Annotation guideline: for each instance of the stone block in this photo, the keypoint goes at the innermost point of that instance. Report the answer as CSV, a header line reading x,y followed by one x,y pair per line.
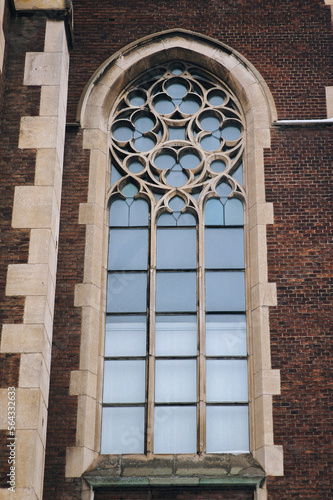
x,y
38,132
26,279
42,68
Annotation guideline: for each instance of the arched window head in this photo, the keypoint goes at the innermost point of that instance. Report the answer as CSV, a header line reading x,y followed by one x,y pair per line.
x,y
175,370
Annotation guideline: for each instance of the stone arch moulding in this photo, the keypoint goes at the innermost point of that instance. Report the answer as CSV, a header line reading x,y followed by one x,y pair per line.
x,y
94,113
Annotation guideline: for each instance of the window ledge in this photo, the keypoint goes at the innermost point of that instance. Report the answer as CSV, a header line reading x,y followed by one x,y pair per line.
x,y
222,470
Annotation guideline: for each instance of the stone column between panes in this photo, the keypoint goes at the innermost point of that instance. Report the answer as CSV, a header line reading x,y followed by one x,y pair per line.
x,y
2,36
37,208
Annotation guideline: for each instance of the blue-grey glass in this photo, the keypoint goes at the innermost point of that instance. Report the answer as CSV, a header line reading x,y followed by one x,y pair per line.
x,y
186,219
177,90
226,381
125,336
124,381
166,220
224,248
123,430
226,335
210,123
175,292
175,429
130,190
128,249
238,174
217,166
176,335
227,429
225,291
115,175
137,100
139,212
176,133
189,160
135,167
119,213
176,179
176,248
189,106
213,212
234,212
123,133
177,71
216,98
144,144
127,292
164,106
175,380
164,161
223,189
231,133
177,203
144,123
210,143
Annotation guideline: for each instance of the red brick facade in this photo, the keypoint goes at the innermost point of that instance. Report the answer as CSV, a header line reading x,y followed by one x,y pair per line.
x,y
289,44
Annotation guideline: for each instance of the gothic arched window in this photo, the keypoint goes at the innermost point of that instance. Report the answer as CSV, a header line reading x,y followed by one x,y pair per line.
x,y
175,369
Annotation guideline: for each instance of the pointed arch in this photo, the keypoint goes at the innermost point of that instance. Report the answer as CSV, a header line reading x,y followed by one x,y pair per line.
x,y
94,111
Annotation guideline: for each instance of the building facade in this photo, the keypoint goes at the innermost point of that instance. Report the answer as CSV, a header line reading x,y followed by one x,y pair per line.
x,y
165,264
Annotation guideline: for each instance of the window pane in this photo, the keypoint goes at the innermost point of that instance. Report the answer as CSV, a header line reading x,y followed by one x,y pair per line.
x,y
175,292
122,430
175,380
226,380
225,291
176,336
234,212
226,335
124,381
128,249
119,213
224,248
176,248
139,212
127,292
175,429
125,336
213,213
227,429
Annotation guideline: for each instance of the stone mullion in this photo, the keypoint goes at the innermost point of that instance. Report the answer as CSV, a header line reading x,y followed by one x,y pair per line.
x,y
201,321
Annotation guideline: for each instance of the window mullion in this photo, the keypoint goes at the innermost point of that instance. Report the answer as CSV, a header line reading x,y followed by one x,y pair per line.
x,y
201,364
151,336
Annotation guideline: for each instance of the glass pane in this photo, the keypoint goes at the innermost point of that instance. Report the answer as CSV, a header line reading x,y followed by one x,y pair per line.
x,y
144,124
227,429
176,336
175,292
139,212
217,166
176,133
189,160
213,213
175,380
125,336
223,189
225,291
226,335
135,167
119,213
175,429
224,248
176,179
122,430
143,144
128,249
238,174
234,212
115,175
231,133
166,220
164,106
177,90
210,123
210,143
123,133
216,98
176,248
127,292
186,219
189,106
130,190
177,203
124,381
164,161
226,380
